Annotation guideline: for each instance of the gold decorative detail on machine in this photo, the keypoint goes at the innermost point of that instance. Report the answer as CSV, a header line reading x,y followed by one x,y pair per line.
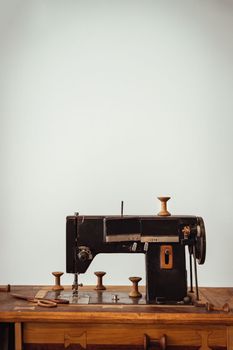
x,y
186,231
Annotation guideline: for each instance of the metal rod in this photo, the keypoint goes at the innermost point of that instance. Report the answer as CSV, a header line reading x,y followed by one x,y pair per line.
x,y
75,284
195,271
122,208
191,272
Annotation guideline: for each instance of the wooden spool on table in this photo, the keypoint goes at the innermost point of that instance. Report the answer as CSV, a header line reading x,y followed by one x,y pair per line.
x,y
57,286
135,292
100,275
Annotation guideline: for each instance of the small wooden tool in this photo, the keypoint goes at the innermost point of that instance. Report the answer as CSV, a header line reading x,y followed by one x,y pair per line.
x,y
57,275
224,308
100,275
135,292
6,289
164,211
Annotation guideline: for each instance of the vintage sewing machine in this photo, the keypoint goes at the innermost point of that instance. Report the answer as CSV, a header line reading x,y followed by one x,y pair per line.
x,y
164,239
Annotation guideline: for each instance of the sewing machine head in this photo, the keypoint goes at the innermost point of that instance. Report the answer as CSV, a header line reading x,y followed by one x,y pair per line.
x,y
161,238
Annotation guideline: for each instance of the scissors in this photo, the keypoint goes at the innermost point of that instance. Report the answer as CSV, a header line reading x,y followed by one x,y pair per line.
x,y
43,302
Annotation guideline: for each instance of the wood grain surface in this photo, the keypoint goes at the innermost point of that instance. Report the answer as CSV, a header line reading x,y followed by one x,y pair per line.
x,y
117,326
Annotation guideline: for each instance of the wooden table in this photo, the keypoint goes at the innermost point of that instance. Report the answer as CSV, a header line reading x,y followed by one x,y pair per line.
x,y
116,326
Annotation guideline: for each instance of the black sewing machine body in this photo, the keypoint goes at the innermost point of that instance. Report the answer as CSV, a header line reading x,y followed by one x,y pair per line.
x,y
161,239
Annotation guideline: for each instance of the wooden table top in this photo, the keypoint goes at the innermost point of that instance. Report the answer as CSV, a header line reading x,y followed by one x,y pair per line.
x,y
16,310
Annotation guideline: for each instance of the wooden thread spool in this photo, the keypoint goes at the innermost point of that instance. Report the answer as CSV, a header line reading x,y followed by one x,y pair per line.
x,y
135,292
100,275
57,275
224,308
164,211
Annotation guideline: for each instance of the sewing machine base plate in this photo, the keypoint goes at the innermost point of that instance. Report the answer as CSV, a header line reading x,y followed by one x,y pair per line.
x,y
107,297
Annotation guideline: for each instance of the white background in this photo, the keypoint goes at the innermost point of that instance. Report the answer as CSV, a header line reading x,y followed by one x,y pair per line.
x,y
103,101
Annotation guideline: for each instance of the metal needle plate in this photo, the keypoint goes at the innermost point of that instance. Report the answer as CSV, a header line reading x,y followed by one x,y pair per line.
x,y
80,299
99,297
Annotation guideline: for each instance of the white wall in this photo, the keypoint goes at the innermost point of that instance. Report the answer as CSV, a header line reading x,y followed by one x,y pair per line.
x,y
103,101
